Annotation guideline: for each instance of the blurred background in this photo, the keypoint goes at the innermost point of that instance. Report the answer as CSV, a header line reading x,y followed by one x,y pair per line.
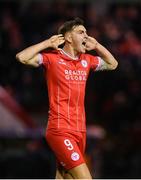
x,y
113,99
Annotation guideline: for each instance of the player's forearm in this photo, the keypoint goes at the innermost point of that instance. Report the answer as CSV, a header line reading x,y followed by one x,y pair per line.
x,y
106,56
32,51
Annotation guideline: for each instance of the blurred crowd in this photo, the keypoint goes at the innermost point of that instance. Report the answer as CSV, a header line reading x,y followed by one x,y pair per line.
x,y
113,99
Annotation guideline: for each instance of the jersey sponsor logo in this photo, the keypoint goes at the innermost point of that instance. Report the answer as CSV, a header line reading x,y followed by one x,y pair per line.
x,y
75,156
75,75
84,63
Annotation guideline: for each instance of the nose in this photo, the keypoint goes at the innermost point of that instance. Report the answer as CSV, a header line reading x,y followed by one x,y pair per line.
x,y
85,35
85,38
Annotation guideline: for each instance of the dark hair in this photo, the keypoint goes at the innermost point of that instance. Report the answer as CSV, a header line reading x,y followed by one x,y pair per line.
x,y
68,25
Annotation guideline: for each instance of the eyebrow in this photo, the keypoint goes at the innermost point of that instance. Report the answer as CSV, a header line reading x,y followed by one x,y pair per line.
x,y
80,30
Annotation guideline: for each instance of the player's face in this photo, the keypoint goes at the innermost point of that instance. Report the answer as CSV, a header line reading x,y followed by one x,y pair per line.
x,y
79,37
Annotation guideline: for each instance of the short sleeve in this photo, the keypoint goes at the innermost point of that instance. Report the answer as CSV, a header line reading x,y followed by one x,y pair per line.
x,y
43,59
98,64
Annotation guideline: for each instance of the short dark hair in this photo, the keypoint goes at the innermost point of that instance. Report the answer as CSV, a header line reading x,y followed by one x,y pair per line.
x,y
68,25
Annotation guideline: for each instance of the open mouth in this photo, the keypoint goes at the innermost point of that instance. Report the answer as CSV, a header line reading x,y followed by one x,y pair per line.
x,y
83,43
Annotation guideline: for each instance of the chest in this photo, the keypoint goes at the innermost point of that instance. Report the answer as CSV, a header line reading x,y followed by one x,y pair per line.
x,y
68,71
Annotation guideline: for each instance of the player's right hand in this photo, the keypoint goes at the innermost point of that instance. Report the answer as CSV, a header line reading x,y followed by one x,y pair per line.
x,y
55,41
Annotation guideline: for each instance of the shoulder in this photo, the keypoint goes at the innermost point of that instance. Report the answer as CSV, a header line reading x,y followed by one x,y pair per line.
x,y
48,55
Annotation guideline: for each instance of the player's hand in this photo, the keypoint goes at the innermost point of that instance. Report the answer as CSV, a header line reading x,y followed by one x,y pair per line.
x,y
91,43
55,41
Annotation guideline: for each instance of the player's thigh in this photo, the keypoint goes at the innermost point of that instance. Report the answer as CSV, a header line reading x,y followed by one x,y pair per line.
x,y
63,174
59,174
80,172
66,150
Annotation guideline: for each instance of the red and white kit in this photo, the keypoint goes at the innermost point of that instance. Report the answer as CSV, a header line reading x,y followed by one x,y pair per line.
x,y
66,81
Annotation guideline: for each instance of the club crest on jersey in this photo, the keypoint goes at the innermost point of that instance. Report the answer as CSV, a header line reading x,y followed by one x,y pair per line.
x,y
84,63
75,156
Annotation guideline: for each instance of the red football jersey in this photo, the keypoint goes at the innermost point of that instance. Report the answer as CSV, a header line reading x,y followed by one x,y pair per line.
x,y
66,81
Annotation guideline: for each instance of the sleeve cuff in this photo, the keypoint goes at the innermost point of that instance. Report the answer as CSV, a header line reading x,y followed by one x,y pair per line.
x,y
40,59
101,65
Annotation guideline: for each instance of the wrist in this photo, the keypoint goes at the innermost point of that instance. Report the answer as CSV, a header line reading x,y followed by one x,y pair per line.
x,y
46,44
96,46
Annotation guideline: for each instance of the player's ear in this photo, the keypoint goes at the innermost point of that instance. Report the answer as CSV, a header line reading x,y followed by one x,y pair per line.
x,y
68,37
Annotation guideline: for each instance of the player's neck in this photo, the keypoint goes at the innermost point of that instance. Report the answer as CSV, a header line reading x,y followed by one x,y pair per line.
x,y
69,51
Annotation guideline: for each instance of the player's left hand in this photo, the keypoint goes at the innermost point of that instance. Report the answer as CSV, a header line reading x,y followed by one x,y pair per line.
x,y
91,43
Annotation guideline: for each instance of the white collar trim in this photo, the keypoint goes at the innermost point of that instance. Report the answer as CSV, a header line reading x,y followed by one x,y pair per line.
x,y
69,55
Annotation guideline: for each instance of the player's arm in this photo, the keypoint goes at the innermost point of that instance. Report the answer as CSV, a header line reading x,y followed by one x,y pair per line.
x,y
30,55
110,63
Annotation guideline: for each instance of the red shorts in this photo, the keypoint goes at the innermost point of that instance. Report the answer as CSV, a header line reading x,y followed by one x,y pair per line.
x,y
68,146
